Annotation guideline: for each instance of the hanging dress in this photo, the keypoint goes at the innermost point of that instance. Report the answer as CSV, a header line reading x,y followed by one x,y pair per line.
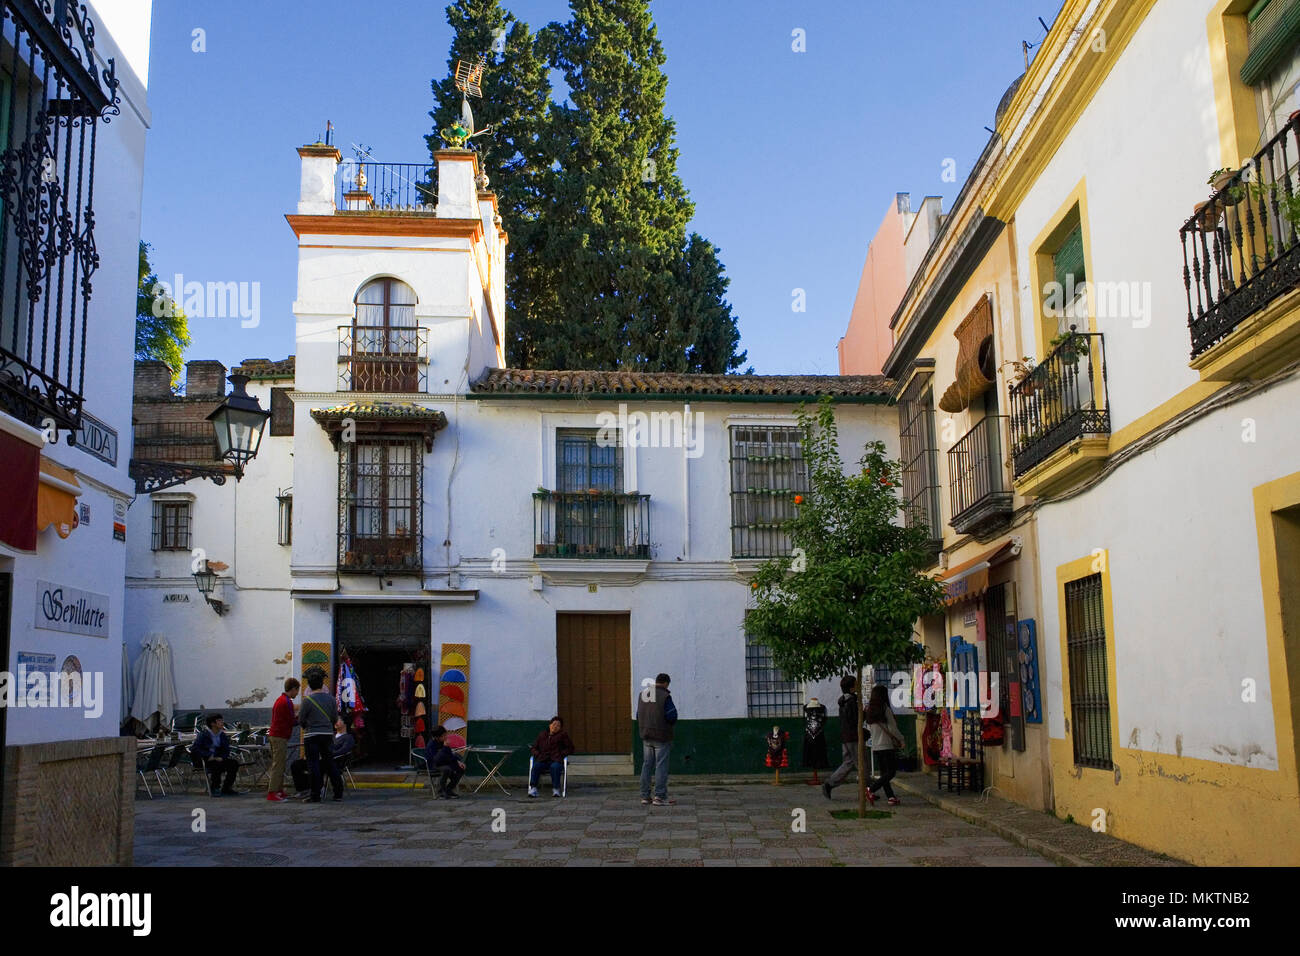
x,y
814,738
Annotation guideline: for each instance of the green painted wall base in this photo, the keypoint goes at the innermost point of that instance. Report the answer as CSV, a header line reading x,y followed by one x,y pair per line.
x,y
735,745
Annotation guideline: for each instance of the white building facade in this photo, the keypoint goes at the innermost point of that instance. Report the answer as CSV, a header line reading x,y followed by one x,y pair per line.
x,y
73,81
570,533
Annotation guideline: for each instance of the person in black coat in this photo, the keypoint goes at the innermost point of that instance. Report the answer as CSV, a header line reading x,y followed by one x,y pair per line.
x,y
443,761
212,748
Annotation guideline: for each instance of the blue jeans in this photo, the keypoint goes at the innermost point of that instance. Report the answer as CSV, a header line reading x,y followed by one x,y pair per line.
x,y
654,765
556,767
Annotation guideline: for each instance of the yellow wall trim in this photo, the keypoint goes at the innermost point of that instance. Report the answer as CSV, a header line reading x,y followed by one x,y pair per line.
x,y
1264,343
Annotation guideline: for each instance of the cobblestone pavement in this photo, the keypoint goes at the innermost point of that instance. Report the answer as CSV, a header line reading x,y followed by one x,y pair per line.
x,y
724,824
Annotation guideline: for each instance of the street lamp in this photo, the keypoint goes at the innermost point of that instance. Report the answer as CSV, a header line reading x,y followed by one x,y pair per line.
x,y
238,423
206,580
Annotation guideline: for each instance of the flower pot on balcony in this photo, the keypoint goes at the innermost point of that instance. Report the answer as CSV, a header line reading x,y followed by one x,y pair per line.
x,y
1207,214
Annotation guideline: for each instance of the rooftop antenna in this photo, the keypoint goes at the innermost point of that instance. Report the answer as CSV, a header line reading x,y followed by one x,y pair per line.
x,y
1026,46
468,79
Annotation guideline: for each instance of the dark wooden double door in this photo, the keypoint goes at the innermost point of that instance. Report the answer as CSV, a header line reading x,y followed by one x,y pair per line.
x,y
594,680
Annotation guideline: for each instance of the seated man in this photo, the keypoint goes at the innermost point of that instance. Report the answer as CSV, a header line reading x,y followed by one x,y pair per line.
x,y
343,744
212,747
443,761
549,750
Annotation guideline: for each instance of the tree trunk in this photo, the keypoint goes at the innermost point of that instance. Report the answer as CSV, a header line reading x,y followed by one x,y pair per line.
x,y
862,766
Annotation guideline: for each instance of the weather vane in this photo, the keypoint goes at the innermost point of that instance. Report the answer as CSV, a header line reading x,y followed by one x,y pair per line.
x,y
469,79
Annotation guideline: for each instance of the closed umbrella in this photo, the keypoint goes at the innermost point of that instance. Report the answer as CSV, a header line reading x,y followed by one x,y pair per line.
x,y
155,682
127,688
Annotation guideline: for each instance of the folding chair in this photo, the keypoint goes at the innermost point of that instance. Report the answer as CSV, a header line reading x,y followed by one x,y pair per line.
x,y
343,764
148,762
564,777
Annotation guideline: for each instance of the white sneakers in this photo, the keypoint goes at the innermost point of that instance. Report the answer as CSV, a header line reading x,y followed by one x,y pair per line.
x,y
532,791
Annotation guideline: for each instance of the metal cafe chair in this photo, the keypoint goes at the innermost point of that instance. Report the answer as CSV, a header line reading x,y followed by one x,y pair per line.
x,y
564,777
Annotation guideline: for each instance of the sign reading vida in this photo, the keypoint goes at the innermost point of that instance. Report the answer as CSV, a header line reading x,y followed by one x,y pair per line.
x,y
67,609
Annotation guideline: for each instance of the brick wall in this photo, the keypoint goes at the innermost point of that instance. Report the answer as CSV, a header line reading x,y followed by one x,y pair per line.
x,y
69,803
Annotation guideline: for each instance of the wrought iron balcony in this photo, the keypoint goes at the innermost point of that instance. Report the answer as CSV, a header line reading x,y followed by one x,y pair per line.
x,y
1241,249
175,441
591,524
1060,400
383,359
981,498
56,96
381,500
396,189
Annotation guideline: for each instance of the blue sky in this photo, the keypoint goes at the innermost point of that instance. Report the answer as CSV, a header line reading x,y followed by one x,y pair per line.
x,y
791,158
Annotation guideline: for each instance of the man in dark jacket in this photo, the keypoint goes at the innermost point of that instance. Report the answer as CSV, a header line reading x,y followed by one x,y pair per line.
x,y
212,747
444,762
549,750
655,716
849,724
299,769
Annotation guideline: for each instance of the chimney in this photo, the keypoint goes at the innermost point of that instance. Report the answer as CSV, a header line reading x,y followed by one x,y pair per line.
x,y
153,379
205,378
457,190
316,189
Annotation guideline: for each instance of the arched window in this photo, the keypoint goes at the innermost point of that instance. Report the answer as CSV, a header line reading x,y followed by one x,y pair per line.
x,y
388,349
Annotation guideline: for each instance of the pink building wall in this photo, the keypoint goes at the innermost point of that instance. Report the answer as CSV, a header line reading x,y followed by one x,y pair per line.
x,y
868,340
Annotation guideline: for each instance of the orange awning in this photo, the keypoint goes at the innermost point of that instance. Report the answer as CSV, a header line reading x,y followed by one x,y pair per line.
x,y
56,499
970,579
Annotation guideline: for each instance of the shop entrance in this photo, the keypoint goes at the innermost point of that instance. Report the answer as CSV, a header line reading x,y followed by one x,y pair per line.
x,y
594,680
380,640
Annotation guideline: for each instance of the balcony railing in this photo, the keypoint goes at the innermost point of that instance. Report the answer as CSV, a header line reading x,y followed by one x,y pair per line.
x,y
378,359
1060,400
981,500
591,525
394,188
175,441
55,94
1241,249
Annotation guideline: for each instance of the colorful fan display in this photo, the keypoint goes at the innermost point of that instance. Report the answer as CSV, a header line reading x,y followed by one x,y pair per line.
x,y
453,693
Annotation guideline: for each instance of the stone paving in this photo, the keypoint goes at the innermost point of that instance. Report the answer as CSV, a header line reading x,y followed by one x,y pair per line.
x,y
713,824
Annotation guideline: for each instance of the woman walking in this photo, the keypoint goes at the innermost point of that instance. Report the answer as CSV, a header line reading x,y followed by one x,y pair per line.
x,y
885,739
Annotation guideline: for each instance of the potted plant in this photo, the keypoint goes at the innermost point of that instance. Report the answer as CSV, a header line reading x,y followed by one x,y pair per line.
x,y
1220,180
1068,346
1019,374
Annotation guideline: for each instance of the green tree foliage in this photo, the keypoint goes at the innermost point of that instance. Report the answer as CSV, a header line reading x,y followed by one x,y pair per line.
x,y
850,594
601,273
162,331
516,98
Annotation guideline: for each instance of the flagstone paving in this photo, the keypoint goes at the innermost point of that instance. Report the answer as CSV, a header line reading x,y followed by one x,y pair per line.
x,y
745,824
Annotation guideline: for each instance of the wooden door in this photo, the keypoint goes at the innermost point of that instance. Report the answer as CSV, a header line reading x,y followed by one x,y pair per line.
x,y
594,680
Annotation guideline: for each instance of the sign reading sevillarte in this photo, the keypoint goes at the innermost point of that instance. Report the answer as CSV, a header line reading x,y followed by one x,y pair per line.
x,y
67,609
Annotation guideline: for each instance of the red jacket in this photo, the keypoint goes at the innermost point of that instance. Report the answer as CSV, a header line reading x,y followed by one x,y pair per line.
x,y
282,717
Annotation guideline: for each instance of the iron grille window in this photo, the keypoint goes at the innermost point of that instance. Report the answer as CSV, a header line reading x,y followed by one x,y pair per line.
x,y
52,97
171,526
767,692
383,350
380,503
767,471
281,412
584,464
920,458
1085,641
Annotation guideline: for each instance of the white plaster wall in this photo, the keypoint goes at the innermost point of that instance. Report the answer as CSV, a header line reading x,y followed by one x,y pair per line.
x,y
1146,155
1178,525
231,657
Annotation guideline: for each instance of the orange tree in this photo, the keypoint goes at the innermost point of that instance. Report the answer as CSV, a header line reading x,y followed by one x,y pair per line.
x,y
851,590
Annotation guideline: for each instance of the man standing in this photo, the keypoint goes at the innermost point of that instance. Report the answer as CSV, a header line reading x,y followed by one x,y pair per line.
x,y
849,724
655,716
549,750
279,734
317,719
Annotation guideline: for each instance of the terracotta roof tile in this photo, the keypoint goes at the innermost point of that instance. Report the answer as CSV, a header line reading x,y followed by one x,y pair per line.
x,y
542,382
260,368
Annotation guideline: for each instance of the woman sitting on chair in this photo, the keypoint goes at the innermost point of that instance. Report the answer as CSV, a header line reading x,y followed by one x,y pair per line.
x,y
549,750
